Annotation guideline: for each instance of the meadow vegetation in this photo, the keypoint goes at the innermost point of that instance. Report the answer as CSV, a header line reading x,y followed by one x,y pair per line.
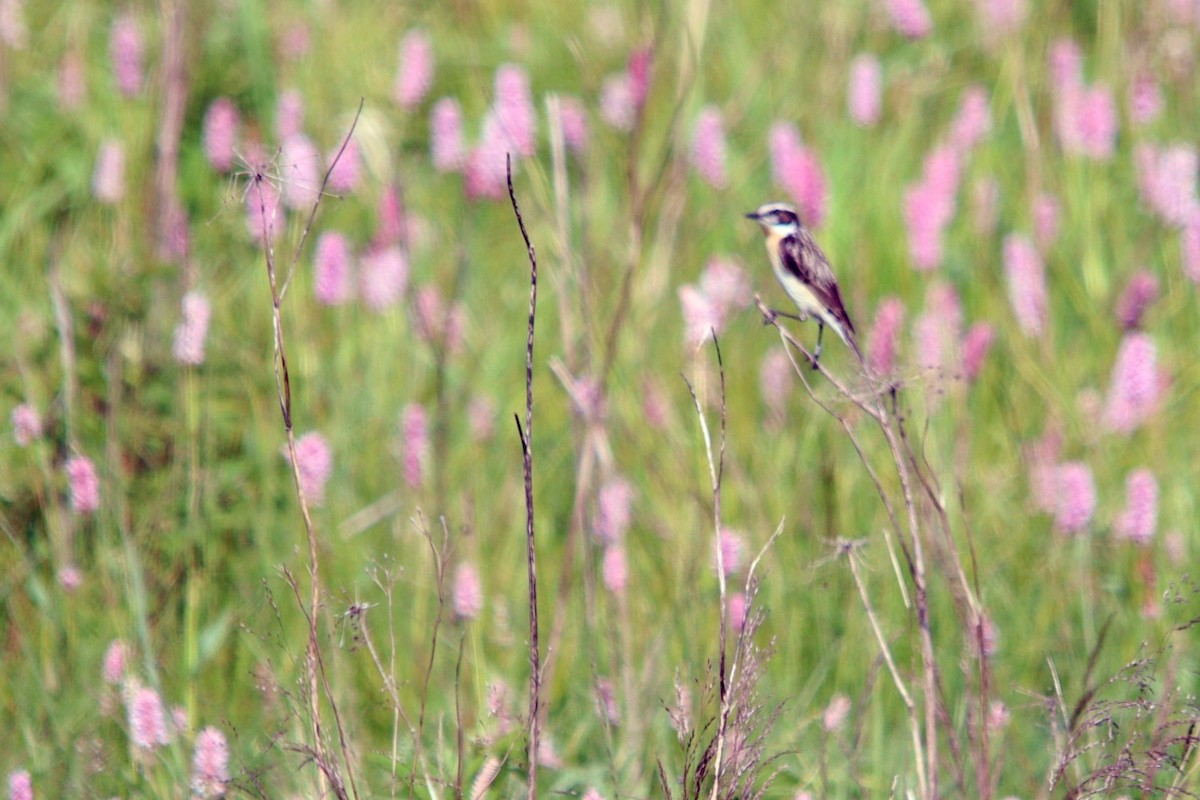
x,y
267,314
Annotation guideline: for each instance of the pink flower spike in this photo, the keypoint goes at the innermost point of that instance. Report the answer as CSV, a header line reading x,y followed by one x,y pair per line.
x,y
1045,220
701,316
383,278
1042,456
922,220
799,172
220,134
574,121
108,180
26,424
836,712
70,578
708,147
115,656
641,72
347,170
331,284
485,176
1189,246
1098,123
514,110
414,432
884,337
732,546
1133,393
14,33
1026,283
20,785
84,485
616,103
910,18
315,460
614,504
301,172
737,611
445,136
1002,16
467,592
389,229
975,348
865,95
289,114
192,332
1066,64
1170,185
615,570
265,215
126,51
726,284
1145,100
414,76
1076,497
1140,517
1139,294
147,720
210,764
974,120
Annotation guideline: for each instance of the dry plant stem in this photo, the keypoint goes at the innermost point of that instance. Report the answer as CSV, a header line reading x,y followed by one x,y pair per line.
x,y
439,568
886,652
902,458
716,468
526,435
314,662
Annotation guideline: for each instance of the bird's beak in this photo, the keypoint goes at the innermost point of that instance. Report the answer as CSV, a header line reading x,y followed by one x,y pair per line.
x,y
752,215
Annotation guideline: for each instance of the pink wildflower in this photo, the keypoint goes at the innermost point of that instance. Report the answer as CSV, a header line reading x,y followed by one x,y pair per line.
x,y
798,170
1098,122
20,785
641,72
514,110
346,171
315,461
1042,456
732,545
26,424
1140,517
108,180
331,283
1133,393
974,120
616,103
445,136
737,611
1076,497
115,656
930,345
301,172
1139,294
884,336
975,348
1189,247
486,176
147,720
1001,16
574,121
220,133
414,76
265,215
775,381
72,81
192,332
613,510
84,485
126,50
836,712
865,96
708,147
70,578
210,764
467,592
726,284
1167,181
383,278
910,18
414,432
701,316
1066,64
929,206
389,229
1145,100
1026,283
14,33
289,114
615,570
1045,220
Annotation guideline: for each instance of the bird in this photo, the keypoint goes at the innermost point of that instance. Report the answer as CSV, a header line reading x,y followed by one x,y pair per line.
x,y
804,271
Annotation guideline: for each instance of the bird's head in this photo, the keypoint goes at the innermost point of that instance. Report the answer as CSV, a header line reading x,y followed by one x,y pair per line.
x,y
779,219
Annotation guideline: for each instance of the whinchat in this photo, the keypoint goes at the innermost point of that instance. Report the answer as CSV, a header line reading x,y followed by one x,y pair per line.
x,y
802,268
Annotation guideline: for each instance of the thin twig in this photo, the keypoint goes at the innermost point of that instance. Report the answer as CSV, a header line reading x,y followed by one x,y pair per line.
x,y
526,436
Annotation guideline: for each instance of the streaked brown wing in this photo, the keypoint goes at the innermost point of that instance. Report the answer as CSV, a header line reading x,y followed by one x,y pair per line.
x,y
802,257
